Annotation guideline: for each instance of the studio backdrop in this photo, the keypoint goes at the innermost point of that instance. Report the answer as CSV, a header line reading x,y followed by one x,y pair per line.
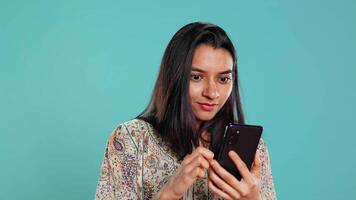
x,y
70,71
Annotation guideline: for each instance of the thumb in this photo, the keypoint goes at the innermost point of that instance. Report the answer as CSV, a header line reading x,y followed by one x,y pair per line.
x,y
256,167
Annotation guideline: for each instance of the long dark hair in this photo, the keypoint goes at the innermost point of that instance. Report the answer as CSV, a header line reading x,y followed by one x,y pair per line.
x,y
169,110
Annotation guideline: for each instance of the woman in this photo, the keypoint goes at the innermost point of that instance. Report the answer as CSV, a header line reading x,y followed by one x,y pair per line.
x,y
167,152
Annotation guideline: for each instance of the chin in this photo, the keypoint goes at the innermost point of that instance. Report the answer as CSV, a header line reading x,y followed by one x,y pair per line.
x,y
205,117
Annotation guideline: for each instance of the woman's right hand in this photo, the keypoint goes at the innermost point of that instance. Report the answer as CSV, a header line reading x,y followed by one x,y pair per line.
x,y
193,167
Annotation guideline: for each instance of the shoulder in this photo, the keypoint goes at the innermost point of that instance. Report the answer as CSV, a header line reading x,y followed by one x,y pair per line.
x,y
266,181
262,145
263,153
131,132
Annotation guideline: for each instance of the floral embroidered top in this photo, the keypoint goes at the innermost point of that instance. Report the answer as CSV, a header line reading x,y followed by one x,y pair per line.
x,y
137,163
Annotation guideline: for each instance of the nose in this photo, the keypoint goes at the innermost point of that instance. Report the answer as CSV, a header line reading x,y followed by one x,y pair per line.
x,y
210,90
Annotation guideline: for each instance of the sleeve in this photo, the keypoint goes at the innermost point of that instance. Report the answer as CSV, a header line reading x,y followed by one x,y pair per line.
x,y
267,189
118,173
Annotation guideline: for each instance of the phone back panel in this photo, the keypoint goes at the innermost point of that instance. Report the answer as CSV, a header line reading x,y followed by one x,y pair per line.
x,y
243,139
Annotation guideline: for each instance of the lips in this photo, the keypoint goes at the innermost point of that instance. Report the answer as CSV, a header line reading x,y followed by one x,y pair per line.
x,y
207,106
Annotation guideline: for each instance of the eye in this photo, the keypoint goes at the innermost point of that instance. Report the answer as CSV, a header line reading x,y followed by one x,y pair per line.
x,y
195,77
224,79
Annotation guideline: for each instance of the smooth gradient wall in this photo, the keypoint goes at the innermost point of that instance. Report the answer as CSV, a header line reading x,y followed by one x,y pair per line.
x,y
71,71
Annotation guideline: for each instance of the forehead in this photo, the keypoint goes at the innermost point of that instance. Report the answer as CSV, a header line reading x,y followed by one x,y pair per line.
x,y
212,60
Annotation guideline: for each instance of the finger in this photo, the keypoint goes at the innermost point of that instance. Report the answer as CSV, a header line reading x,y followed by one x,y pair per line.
x,y
197,172
228,178
198,161
189,177
204,152
217,191
223,185
187,159
241,166
256,167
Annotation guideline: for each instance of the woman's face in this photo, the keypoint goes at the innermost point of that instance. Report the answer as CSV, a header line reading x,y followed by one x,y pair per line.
x,y
210,81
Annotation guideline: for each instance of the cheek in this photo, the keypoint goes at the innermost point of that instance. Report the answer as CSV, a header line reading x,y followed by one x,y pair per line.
x,y
194,90
225,92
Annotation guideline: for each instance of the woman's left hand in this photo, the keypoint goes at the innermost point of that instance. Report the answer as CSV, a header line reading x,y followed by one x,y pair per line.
x,y
225,185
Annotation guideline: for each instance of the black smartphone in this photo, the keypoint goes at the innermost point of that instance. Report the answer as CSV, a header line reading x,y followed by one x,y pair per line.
x,y
244,140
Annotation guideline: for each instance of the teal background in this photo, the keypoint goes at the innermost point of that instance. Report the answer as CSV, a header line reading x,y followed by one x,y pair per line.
x,y
70,71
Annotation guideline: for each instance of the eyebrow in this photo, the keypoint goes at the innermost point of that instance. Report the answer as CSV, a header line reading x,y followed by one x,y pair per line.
x,y
203,71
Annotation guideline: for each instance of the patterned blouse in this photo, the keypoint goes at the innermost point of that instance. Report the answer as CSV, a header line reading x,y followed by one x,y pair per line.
x,y
137,163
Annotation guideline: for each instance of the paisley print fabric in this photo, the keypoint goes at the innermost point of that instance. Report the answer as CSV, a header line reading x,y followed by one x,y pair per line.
x,y
137,163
